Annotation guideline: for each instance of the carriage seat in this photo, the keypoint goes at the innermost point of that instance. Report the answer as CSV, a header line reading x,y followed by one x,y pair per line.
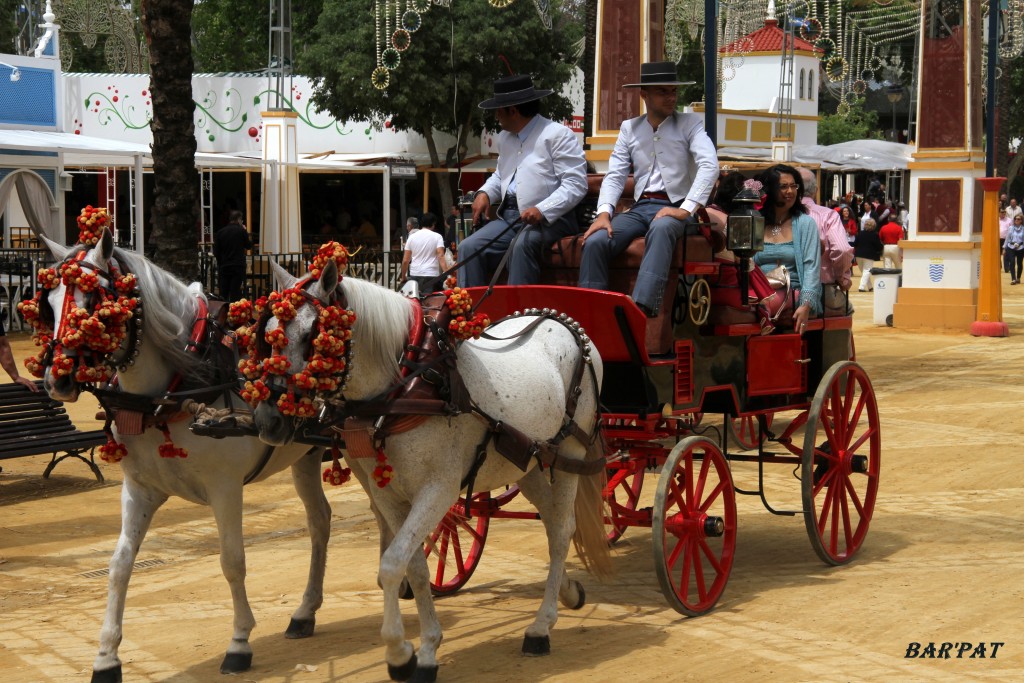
x,y
561,263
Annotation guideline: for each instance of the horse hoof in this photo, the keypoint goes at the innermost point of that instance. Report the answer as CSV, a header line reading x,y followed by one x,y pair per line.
x,y
236,663
536,646
405,591
111,675
582,599
425,674
300,628
403,672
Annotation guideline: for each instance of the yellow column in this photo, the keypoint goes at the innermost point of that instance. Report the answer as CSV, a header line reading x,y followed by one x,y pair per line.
x,y
990,296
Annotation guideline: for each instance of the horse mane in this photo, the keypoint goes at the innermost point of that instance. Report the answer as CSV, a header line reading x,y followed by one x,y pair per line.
x,y
169,307
379,336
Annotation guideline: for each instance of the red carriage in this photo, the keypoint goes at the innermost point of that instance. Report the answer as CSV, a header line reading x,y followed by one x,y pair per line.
x,y
663,378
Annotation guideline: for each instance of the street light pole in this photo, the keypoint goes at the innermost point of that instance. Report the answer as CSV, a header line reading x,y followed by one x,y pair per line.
x,y
895,94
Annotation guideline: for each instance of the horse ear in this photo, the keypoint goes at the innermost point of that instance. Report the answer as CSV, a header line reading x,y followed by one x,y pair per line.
x,y
106,245
59,251
282,277
328,280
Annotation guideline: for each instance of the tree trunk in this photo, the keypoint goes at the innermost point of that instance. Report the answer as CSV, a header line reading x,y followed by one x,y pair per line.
x,y
443,180
175,212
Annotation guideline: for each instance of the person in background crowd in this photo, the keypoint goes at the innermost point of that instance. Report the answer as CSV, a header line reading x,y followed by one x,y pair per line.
x,y
867,249
423,258
865,213
229,246
1004,227
849,223
1015,245
1013,210
891,233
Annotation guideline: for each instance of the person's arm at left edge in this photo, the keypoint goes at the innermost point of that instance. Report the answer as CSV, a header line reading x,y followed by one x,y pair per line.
x,y
704,155
569,166
8,364
406,260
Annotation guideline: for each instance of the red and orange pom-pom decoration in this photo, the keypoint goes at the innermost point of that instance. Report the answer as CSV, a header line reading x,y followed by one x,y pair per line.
x,y
276,365
458,300
383,472
240,312
276,338
297,408
126,284
327,252
91,222
255,391
48,278
335,475
250,368
167,449
112,451
460,328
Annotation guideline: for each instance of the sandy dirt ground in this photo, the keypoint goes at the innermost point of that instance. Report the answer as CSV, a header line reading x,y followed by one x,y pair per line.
x,y
942,563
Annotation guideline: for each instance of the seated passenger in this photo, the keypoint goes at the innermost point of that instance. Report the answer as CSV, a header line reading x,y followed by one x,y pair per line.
x,y
540,178
674,165
791,240
836,250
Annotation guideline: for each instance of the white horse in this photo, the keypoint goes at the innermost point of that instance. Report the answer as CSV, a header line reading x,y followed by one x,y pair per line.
x,y
523,382
213,473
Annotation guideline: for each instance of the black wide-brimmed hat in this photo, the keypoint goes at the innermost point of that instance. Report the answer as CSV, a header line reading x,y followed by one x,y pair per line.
x,y
513,90
658,73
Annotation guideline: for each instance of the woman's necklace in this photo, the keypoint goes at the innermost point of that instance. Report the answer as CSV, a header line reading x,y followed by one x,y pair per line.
x,y
775,229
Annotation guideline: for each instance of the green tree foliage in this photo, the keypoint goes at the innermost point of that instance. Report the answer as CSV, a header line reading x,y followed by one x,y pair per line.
x,y
447,70
233,35
858,124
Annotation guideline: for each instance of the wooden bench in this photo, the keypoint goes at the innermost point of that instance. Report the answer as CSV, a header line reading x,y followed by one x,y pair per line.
x,y
32,423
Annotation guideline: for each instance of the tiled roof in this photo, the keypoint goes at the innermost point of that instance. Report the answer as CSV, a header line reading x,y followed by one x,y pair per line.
x,y
768,38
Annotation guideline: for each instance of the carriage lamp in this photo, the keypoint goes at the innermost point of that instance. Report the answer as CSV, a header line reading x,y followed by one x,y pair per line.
x,y
744,233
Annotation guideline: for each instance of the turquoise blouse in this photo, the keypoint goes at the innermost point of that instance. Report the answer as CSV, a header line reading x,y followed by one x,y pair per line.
x,y
805,271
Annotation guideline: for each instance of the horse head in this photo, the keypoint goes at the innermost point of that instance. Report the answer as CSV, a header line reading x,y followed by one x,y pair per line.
x,y
81,274
293,331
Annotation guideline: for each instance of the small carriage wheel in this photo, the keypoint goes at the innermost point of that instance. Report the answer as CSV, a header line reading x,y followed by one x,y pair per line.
x,y
700,301
694,526
626,478
744,431
454,548
841,462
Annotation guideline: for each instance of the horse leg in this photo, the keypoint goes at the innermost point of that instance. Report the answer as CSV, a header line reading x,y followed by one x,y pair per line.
x,y
430,627
227,510
308,484
138,506
554,500
413,525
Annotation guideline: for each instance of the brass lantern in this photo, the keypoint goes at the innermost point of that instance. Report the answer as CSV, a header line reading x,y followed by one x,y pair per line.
x,y
744,233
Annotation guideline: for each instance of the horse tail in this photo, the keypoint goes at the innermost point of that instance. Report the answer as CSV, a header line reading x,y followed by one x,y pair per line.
x,y
591,538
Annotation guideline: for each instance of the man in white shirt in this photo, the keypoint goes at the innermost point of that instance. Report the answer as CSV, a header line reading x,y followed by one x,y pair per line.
x,y
1012,211
423,259
674,165
541,176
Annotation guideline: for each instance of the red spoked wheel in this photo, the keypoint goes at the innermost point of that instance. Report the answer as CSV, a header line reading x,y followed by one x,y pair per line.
x,y
841,463
453,550
621,495
694,526
745,433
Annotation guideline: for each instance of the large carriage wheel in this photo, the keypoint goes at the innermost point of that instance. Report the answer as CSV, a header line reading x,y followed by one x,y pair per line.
x,y
694,526
841,462
621,495
744,431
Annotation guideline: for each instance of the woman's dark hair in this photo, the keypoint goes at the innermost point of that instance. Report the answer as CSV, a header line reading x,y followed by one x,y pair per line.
x,y
770,179
729,185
